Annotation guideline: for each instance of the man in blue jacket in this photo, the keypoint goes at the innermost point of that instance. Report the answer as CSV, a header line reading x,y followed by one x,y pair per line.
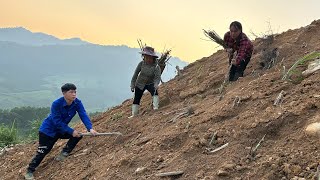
x,y
55,127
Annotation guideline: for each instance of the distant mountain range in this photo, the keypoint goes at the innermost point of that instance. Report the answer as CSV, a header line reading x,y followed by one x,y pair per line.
x,y
33,66
23,36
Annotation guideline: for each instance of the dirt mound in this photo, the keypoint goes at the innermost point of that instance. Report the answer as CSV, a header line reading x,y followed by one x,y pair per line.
x,y
195,119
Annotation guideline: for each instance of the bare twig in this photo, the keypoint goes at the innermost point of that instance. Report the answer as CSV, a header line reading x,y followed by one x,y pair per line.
x,y
265,35
77,155
186,112
226,79
183,114
281,61
257,146
140,44
132,141
173,173
279,99
272,62
284,70
304,45
270,31
219,148
236,101
318,172
213,138
173,111
254,150
254,34
188,125
178,71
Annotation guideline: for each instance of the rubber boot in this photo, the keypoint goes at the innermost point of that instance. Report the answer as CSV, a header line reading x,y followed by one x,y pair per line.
x,y
155,100
135,110
29,176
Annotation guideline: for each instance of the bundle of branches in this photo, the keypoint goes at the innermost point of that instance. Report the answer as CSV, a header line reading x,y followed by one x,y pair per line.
x,y
212,35
164,58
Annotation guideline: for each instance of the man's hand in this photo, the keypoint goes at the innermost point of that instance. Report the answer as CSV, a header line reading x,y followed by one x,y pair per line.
x,y
93,132
76,134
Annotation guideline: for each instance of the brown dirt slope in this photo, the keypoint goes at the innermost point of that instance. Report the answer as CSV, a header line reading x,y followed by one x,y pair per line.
x,y
165,140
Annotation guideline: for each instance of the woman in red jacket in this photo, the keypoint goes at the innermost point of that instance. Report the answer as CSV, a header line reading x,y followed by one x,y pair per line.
x,y
238,42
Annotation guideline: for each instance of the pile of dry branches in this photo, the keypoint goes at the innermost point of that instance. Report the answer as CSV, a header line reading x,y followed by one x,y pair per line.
x,y
212,35
164,58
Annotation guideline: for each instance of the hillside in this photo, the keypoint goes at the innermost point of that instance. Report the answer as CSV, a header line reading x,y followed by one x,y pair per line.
x,y
165,140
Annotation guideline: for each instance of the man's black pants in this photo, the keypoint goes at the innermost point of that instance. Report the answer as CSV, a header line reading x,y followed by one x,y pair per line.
x,y
45,145
138,92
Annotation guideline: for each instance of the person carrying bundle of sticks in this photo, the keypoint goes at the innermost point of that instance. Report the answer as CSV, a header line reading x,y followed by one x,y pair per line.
x,y
238,46
147,76
240,50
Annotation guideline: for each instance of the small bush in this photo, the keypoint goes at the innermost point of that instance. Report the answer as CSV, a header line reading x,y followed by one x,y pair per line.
x,y
35,125
8,135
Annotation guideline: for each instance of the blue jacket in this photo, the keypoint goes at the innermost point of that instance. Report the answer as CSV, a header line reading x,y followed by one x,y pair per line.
x,y
60,116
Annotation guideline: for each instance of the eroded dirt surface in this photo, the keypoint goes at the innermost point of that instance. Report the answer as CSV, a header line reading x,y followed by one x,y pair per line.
x,y
166,140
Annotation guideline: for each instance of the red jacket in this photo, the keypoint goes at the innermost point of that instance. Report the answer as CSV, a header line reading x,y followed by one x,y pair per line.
x,y
242,45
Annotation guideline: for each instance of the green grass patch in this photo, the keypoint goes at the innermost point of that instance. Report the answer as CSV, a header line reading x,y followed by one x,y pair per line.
x,y
8,135
117,116
294,74
34,131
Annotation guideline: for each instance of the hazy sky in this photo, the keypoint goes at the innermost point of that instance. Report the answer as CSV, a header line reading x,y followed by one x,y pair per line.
x,y
175,24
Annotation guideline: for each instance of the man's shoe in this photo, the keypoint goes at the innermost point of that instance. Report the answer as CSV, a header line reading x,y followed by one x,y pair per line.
x,y
62,156
29,176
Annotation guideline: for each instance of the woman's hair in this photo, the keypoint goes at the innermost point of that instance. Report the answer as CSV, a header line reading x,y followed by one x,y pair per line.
x,y
236,25
68,86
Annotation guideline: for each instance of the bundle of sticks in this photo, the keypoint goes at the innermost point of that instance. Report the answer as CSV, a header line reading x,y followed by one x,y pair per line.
x,y
164,58
212,35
